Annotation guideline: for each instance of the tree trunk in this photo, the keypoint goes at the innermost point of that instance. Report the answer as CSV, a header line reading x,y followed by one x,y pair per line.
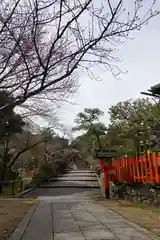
x,y
3,173
98,140
4,164
97,136
2,177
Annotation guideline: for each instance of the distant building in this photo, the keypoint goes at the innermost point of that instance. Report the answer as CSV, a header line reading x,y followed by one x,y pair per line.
x,y
59,142
155,90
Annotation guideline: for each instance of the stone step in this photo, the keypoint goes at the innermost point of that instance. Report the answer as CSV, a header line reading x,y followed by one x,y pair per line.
x,y
69,186
78,174
73,179
75,184
83,171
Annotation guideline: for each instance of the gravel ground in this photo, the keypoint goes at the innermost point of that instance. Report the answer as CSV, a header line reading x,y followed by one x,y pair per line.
x,y
11,212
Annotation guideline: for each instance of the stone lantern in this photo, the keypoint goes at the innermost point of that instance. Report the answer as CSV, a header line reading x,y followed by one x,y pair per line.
x,y
154,91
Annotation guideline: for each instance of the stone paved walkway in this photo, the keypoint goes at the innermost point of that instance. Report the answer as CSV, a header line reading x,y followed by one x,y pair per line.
x,y
76,217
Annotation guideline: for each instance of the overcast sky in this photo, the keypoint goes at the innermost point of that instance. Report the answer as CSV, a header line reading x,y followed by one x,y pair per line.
x,y
141,58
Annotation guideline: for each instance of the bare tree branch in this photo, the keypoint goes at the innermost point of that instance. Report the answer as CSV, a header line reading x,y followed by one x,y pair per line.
x,y
14,159
44,44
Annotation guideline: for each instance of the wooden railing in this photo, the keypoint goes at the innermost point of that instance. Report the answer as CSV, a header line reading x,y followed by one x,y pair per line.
x,y
144,168
11,187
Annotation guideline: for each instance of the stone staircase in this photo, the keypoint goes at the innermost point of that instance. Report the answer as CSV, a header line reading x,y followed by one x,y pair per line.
x,y
74,179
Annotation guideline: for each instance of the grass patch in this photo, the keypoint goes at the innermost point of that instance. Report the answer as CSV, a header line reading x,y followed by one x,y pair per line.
x,y
139,205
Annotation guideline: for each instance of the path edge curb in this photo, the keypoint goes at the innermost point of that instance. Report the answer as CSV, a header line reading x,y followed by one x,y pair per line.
x,y
19,231
24,192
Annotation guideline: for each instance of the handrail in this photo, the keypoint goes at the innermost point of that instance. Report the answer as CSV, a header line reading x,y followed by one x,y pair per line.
x,y
11,187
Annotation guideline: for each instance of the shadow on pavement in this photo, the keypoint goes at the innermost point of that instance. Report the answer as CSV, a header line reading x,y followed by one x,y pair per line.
x,y
57,191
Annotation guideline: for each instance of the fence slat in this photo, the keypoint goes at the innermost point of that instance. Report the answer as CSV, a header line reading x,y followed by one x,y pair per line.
x,y
137,168
141,167
150,167
144,168
155,159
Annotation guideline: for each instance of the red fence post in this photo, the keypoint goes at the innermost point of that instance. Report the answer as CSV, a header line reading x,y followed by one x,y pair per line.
x,y
137,167
146,167
130,163
155,167
134,170
141,168
106,177
150,167
118,169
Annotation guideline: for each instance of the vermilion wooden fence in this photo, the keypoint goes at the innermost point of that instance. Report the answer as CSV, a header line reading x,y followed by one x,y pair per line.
x,y
143,168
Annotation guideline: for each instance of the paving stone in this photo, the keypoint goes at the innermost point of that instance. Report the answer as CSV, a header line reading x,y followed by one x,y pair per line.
x,y
63,220
61,213
85,224
40,226
99,210
123,237
75,207
99,235
110,219
92,227
129,233
86,217
67,214
65,225
60,206
116,225
69,236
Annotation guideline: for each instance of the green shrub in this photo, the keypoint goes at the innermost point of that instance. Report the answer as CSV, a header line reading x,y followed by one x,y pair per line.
x,y
48,171
45,172
37,179
27,186
60,166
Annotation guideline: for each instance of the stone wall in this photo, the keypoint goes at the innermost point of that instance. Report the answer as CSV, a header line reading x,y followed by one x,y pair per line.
x,y
140,193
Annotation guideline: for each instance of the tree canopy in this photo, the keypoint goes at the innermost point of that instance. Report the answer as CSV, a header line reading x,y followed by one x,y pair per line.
x,y
47,134
10,121
131,121
90,123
